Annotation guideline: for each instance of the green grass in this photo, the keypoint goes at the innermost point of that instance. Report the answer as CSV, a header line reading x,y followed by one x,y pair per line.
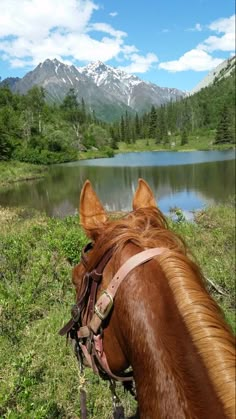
x,y
14,171
39,375
197,141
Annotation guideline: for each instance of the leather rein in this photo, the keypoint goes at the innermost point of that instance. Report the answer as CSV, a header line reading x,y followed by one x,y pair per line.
x,y
88,315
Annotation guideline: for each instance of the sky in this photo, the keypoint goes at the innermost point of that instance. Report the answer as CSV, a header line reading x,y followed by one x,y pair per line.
x,y
172,43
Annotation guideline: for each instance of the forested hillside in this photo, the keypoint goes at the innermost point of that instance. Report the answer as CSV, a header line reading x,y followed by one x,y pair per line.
x,y
211,109
34,131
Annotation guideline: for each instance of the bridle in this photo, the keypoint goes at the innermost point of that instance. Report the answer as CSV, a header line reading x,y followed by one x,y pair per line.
x,y
85,325
89,314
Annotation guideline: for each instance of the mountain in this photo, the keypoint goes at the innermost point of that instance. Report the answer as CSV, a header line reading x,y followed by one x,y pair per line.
x,y
223,70
106,90
127,88
10,82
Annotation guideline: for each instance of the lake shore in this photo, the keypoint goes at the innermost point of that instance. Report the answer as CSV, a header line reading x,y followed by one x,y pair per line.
x,y
15,171
37,256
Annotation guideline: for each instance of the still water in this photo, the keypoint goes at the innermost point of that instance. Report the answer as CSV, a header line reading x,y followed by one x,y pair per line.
x,y
187,180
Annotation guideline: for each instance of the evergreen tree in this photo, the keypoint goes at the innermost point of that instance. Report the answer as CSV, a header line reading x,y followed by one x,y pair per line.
x,y
5,145
122,129
152,123
72,113
114,139
161,126
127,127
223,131
83,111
137,126
184,137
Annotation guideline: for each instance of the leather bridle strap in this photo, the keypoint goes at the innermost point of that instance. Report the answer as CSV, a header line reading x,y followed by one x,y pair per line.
x,y
105,301
95,275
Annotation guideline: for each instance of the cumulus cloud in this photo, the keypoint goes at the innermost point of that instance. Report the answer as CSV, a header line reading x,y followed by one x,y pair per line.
x,y
196,60
224,25
140,63
223,42
54,29
199,58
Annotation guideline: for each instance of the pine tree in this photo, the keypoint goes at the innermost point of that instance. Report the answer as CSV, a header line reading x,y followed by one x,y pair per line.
x,y
122,129
137,126
161,126
152,123
114,139
127,127
5,145
223,131
184,137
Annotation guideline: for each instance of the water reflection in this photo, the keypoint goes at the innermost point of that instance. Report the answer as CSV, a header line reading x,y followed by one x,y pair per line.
x,y
186,186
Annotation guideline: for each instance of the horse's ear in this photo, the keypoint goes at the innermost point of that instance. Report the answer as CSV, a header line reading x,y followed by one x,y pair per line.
x,y
143,196
91,211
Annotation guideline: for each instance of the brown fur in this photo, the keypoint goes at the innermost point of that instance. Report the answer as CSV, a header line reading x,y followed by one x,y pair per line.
x,y
184,358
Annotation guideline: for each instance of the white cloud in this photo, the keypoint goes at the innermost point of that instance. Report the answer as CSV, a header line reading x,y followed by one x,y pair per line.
x,y
216,43
105,27
225,42
140,63
113,14
224,25
35,18
196,60
199,58
197,28
57,29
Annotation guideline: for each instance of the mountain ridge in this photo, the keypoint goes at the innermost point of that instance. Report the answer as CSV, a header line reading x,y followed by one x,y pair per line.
x,y
223,70
108,91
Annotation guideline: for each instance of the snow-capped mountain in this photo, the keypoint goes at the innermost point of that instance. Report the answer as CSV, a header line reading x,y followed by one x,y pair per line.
x,y
128,88
106,90
224,69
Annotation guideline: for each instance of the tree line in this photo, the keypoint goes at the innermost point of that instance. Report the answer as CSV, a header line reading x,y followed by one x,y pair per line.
x,y
212,108
33,130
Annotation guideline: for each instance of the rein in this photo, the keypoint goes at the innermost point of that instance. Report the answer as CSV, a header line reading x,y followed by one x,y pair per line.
x,y
88,315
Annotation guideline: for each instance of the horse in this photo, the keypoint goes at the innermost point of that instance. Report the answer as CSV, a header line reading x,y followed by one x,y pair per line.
x,y
162,320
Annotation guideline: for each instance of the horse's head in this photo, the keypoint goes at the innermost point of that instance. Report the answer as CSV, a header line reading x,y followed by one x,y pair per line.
x,y
101,230
162,320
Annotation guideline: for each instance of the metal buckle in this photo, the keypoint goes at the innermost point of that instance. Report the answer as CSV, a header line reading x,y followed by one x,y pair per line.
x,y
75,312
101,315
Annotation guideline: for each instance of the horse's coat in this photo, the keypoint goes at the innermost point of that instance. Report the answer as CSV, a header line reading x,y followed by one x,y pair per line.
x,y
164,322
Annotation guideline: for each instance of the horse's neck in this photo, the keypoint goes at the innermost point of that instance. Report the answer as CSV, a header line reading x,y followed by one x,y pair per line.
x,y
171,379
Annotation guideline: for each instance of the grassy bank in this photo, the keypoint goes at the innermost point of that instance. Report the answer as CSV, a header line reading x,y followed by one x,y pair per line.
x,y
197,141
15,171
38,371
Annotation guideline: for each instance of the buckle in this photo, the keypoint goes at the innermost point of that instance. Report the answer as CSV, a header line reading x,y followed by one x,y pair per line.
x,y
101,315
75,313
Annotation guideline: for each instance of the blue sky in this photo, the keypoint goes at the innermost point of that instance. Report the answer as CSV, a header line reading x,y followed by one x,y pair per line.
x,y
173,43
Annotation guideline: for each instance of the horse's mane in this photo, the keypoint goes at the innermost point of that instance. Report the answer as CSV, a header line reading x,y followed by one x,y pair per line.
x,y
147,228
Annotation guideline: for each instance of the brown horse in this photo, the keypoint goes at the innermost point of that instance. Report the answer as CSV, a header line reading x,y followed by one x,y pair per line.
x,y
164,323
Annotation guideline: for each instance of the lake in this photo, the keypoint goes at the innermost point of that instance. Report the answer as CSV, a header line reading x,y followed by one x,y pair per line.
x,y
187,180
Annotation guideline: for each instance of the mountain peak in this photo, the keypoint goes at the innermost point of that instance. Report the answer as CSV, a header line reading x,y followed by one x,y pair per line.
x,y
108,90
